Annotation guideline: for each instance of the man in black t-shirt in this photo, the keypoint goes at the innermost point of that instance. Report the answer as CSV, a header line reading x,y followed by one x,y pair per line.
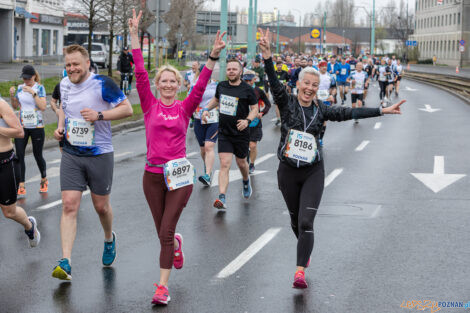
x,y
238,107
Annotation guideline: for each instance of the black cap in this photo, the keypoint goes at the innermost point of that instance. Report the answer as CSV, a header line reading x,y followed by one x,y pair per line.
x,y
28,72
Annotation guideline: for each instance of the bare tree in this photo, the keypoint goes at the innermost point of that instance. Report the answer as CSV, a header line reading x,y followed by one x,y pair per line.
x,y
181,19
95,11
111,8
342,13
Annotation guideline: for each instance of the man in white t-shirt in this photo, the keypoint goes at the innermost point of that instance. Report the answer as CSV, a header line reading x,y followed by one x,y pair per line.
x,y
89,103
359,81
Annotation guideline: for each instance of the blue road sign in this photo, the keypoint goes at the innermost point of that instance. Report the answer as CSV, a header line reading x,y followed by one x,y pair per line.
x,y
462,42
185,43
412,43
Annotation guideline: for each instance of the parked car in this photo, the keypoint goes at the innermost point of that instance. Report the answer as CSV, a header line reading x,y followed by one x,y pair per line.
x,y
99,53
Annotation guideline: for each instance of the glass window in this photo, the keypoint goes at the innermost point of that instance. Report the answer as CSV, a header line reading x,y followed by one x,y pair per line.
x,y
55,42
46,42
35,42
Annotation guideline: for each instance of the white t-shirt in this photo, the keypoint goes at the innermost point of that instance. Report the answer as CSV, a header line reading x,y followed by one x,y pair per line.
x,y
28,104
98,93
360,81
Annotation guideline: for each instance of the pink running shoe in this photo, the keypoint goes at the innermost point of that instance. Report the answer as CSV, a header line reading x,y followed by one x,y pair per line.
x,y
178,259
299,280
161,296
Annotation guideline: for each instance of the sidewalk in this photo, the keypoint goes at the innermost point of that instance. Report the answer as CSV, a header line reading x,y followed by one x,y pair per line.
x,y
446,70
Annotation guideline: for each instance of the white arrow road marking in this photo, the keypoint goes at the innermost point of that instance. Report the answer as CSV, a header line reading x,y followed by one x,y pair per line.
x,y
410,89
438,180
236,175
246,255
427,108
330,178
51,172
55,203
377,125
362,145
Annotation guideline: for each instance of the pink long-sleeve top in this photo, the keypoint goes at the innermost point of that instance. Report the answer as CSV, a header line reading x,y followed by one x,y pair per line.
x,y
165,126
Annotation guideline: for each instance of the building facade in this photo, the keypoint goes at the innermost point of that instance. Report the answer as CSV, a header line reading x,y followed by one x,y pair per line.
x,y
30,29
440,27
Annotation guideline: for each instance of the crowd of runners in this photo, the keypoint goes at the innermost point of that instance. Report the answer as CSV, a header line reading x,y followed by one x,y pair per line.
x,y
306,91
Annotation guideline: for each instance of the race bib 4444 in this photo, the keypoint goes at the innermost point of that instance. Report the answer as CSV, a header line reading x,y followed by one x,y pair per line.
x,y
228,105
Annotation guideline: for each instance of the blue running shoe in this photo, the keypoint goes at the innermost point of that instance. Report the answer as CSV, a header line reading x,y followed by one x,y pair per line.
x,y
246,191
251,168
63,271
205,180
109,252
320,141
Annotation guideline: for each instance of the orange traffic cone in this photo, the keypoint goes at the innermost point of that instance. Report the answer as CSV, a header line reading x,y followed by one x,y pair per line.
x,y
457,70
408,67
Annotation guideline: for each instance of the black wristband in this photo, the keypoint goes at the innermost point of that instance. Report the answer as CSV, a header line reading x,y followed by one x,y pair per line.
x,y
249,121
213,59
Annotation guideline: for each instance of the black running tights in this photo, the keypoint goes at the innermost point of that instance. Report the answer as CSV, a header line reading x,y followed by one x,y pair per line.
x,y
383,89
302,189
37,139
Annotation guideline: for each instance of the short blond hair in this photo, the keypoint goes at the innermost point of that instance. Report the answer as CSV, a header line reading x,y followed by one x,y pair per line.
x,y
168,68
77,48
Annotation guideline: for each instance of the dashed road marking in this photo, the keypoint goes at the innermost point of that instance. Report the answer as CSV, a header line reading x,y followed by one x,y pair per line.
x,y
377,125
56,203
362,145
246,255
330,178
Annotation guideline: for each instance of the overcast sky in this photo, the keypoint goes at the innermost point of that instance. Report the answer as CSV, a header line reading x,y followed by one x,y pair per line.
x,y
305,6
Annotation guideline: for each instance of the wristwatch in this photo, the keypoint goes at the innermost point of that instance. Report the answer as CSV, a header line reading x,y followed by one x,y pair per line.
x,y
249,121
35,94
100,116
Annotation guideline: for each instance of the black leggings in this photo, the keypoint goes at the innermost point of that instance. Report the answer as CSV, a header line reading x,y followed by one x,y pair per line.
x,y
37,138
383,88
302,189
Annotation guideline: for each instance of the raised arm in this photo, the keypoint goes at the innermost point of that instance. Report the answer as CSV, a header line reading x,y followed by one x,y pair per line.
x,y
192,101
15,130
280,95
142,79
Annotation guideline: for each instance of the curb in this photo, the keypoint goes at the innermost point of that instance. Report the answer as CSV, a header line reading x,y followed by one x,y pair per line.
x,y
466,99
52,143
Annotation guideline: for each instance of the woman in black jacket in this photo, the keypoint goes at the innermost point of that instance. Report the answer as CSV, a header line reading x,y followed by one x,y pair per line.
x,y
301,173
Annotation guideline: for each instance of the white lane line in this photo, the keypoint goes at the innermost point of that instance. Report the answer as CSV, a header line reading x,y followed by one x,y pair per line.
x,y
377,125
54,161
330,178
264,158
122,154
56,203
190,154
362,145
51,172
274,119
246,255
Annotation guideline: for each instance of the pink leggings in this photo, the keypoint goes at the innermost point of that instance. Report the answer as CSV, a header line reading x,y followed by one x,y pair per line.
x,y
166,207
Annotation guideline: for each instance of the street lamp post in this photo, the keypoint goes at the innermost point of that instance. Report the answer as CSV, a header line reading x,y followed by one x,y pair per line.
x,y
300,24
223,28
277,35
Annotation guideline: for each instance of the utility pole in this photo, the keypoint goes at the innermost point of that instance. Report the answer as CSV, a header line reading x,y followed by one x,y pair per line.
x,y
324,32
250,30
223,28
255,28
372,37
157,33
277,36
461,30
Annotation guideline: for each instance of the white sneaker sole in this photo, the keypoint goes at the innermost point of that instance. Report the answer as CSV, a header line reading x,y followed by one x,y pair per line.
x,y
37,235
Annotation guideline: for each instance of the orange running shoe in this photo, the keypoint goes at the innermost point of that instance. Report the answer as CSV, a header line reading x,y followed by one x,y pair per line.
x,y
21,191
44,186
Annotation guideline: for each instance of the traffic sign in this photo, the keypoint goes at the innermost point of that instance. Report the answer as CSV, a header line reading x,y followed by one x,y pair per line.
x,y
315,33
185,43
412,43
462,42
462,48
258,35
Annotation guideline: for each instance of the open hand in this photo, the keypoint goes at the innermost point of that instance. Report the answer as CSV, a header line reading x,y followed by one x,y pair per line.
x,y
219,44
134,22
394,109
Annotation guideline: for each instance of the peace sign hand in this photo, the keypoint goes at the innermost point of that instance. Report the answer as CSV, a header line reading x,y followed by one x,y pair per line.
x,y
134,22
219,44
264,43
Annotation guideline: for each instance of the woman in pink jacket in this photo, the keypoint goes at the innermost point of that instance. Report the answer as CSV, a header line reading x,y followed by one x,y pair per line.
x,y
168,175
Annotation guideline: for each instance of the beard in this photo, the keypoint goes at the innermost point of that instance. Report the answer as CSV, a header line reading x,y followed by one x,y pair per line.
x,y
234,80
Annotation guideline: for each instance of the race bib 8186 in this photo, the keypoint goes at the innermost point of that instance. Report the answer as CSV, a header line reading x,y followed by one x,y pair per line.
x,y
301,146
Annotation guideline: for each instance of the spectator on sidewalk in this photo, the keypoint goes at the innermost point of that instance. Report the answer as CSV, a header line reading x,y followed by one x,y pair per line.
x,y
434,60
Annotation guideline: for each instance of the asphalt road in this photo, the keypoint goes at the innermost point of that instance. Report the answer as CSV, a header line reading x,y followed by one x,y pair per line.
x,y
446,70
382,236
